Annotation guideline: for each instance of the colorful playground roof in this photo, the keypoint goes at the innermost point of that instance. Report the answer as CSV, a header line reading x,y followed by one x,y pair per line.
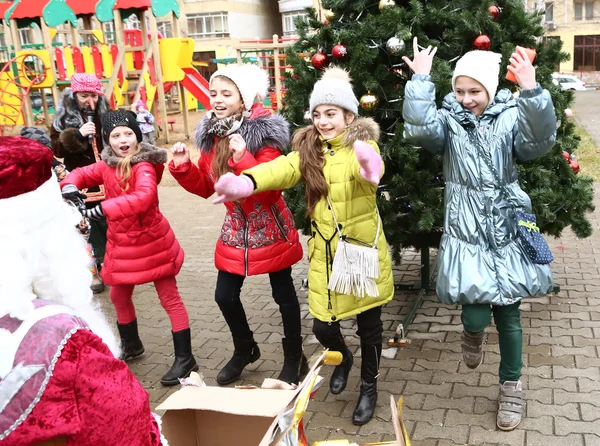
x,y
83,7
25,9
3,8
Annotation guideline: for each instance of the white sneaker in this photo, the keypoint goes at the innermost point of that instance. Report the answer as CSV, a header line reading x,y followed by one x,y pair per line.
x,y
510,405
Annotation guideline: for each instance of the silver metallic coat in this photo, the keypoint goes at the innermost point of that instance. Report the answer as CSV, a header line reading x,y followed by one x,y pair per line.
x,y
480,258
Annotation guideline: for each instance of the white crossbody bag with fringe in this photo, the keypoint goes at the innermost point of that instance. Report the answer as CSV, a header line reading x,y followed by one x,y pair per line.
x,y
355,266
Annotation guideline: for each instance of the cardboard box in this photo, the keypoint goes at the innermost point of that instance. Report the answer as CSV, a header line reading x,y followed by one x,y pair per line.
x,y
223,416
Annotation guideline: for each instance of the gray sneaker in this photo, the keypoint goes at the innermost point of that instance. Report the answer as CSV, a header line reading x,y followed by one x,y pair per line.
x,y
510,405
97,285
472,348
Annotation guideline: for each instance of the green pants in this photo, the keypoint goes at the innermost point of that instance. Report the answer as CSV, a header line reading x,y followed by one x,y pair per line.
x,y
477,317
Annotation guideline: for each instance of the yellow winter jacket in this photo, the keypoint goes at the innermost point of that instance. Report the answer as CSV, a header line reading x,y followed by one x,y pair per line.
x,y
354,203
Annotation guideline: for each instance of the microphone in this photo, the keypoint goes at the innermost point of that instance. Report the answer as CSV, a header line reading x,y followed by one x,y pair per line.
x,y
90,118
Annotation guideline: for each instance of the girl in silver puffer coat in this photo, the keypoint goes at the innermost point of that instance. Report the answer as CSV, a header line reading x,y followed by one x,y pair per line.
x,y
482,264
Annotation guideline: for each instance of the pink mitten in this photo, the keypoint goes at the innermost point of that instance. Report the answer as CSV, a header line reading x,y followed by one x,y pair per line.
x,y
231,187
370,161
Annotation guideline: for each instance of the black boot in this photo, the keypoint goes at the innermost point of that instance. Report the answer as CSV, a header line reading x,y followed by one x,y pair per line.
x,y
246,351
295,365
339,377
184,363
369,371
131,344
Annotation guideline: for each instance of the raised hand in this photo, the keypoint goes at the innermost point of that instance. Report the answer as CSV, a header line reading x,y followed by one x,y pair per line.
x,y
523,70
231,187
422,60
370,161
181,154
237,146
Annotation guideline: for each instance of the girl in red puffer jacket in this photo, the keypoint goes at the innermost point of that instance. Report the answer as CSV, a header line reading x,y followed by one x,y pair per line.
x,y
141,245
258,235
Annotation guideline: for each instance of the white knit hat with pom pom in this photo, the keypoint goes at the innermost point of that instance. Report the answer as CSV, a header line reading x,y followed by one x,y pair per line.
x,y
251,81
334,88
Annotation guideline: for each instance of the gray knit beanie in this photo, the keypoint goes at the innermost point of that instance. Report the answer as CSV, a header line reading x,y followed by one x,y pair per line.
x,y
334,88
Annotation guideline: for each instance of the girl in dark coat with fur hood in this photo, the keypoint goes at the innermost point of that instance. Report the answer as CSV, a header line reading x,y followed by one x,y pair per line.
x,y
141,245
258,235
71,134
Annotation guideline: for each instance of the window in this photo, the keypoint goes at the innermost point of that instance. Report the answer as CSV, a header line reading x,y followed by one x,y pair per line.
x,y
165,28
549,12
208,25
109,32
584,10
586,56
289,21
25,36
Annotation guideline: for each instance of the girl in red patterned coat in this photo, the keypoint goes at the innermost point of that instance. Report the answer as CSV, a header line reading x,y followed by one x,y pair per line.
x,y
258,235
141,245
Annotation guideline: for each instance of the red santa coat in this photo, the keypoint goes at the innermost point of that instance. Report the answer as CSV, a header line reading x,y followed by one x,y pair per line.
x,y
141,245
91,398
258,235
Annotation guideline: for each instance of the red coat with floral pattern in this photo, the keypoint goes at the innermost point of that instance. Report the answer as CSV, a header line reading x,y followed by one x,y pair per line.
x,y
258,235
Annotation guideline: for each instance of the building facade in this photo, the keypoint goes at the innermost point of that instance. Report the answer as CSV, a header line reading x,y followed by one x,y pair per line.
x,y
577,24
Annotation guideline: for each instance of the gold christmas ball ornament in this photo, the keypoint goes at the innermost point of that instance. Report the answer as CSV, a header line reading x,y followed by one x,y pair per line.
x,y
329,14
394,45
368,101
386,3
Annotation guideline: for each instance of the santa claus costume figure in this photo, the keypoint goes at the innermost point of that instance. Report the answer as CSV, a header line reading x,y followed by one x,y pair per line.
x,y
59,376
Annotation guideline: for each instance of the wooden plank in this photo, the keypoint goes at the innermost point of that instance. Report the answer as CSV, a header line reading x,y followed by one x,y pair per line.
x,y
159,79
48,46
277,73
142,80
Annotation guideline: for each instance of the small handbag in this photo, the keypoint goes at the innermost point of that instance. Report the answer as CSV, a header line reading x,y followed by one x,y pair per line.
x,y
528,233
355,264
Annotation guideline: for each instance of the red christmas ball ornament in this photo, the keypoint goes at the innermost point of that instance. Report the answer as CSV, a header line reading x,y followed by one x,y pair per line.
x,y
320,60
482,42
567,156
494,12
339,51
326,22
575,166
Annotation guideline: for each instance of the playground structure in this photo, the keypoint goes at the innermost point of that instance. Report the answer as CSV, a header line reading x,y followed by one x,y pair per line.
x,y
140,64
270,55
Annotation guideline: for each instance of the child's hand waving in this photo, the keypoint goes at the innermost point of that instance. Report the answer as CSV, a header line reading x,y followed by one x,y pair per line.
x,y
521,67
422,61
237,146
181,154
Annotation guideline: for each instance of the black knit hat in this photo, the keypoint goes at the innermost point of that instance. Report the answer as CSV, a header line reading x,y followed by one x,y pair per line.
x,y
118,118
37,134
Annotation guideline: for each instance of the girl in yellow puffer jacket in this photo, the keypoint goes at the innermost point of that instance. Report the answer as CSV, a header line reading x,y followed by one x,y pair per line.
x,y
338,159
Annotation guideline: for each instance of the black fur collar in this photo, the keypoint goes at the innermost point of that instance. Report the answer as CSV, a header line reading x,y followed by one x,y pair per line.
x,y
272,131
148,152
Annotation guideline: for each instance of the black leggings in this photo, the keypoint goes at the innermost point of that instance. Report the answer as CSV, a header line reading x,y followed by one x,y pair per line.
x,y
227,296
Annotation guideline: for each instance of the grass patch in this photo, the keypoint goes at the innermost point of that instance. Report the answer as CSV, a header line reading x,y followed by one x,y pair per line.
x,y
588,155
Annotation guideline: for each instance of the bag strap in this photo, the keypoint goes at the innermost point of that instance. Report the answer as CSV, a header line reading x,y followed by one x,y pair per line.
x,y
337,226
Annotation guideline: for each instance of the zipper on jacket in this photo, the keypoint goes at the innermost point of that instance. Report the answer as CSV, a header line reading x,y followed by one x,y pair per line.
x,y
277,222
246,241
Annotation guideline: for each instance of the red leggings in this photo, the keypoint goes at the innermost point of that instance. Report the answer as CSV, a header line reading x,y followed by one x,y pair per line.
x,y
169,299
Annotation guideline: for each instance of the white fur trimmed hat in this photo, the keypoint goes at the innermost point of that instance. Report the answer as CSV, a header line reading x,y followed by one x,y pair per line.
x,y
483,66
251,81
334,88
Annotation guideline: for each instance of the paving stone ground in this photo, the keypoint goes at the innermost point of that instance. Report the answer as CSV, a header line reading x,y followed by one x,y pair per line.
x,y
445,403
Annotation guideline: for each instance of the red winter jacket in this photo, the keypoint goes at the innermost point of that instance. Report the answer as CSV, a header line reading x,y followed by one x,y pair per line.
x,y
141,245
258,235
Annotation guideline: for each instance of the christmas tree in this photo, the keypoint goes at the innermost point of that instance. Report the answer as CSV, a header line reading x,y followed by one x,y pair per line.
x,y
369,39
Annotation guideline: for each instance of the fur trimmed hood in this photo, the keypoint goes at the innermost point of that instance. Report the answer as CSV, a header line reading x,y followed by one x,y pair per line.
x,y
148,152
361,129
258,132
